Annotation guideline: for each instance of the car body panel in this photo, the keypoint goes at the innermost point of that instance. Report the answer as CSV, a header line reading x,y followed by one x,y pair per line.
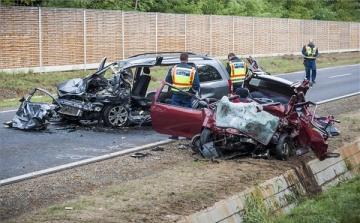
x,y
174,120
266,87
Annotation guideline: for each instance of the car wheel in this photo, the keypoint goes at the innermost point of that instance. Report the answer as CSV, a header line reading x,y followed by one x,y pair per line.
x,y
195,143
284,147
116,116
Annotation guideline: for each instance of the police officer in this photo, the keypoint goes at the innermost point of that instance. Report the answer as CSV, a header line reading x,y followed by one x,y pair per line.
x,y
237,70
310,52
186,78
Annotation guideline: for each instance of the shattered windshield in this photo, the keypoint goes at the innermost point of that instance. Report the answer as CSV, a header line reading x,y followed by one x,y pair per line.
x,y
248,118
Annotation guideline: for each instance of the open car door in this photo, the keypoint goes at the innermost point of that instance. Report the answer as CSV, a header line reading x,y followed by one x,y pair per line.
x,y
171,119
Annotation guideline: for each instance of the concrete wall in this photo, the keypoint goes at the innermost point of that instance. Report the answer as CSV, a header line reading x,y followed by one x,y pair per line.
x,y
281,192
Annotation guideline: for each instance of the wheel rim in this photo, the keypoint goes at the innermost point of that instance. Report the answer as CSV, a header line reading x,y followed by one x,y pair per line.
x,y
285,149
118,116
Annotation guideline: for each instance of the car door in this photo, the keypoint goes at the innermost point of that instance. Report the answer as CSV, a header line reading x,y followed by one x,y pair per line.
x,y
212,83
174,120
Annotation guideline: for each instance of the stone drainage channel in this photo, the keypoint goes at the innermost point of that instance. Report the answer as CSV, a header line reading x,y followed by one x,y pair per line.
x,y
281,192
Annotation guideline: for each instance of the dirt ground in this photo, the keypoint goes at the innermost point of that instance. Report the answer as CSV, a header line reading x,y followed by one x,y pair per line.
x,y
170,183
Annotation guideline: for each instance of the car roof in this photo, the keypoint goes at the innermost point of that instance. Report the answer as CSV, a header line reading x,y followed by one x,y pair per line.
x,y
158,59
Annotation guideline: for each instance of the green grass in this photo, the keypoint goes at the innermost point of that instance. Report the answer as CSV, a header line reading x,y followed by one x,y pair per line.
x,y
16,85
339,203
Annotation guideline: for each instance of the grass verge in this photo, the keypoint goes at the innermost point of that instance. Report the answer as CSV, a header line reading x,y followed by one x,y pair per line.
x,y
337,204
16,85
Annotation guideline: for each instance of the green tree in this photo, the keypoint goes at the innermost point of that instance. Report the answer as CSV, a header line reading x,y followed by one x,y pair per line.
x,y
329,10
345,10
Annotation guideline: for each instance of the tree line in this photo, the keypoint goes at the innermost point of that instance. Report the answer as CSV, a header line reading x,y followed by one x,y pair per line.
x,y
327,10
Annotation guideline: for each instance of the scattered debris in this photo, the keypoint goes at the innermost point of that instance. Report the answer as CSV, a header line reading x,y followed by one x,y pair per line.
x,y
141,155
157,149
70,128
183,146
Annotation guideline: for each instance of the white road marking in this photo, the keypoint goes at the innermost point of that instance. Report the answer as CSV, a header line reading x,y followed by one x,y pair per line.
x,y
8,111
80,162
341,75
337,98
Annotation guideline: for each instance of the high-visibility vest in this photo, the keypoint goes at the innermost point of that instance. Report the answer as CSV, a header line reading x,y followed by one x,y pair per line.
x,y
310,51
182,78
238,71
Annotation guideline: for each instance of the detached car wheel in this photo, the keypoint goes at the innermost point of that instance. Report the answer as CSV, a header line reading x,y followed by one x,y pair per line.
x,y
116,116
284,148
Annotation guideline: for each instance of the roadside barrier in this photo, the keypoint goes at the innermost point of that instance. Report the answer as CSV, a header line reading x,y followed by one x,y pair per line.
x,y
280,193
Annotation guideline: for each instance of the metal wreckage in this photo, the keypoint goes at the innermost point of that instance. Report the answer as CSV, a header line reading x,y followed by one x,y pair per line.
x,y
274,119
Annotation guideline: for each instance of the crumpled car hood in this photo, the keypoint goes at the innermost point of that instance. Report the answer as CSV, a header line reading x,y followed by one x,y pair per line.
x,y
30,116
249,118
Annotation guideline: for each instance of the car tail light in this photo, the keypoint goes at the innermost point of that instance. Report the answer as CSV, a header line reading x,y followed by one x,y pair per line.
x,y
231,87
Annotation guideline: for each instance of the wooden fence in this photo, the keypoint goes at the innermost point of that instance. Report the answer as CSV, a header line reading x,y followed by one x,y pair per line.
x,y
44,39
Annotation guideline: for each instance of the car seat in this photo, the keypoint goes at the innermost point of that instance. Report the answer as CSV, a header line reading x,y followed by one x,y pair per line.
x,y
243,93
141,85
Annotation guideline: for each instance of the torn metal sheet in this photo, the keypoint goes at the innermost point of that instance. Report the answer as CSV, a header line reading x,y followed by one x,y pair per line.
x,y
248,118
33,115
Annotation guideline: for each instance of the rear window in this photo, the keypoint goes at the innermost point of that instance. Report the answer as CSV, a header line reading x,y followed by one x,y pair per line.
x,y
208,73
272,86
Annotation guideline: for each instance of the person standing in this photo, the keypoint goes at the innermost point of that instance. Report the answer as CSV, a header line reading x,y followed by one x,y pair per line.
x,y
237,70
184,77
310,52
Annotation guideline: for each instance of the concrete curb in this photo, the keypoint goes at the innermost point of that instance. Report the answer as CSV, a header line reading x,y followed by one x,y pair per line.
x,y
281,192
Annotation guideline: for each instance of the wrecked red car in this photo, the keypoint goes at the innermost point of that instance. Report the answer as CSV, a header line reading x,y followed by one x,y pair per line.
x,y
277,120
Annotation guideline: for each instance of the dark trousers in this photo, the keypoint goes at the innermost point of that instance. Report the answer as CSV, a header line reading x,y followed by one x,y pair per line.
x,y
310,65
181,100
237,85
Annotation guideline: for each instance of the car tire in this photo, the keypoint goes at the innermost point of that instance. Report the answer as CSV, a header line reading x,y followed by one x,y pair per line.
x,y
116,116
196,144
284,148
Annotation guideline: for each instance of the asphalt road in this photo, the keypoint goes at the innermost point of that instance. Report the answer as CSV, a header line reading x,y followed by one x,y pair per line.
x,y
330,82
24,153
